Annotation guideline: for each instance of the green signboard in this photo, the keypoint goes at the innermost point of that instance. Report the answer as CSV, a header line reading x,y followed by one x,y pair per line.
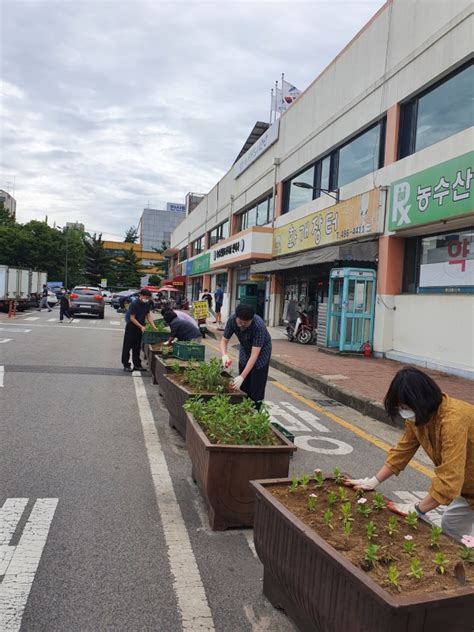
x,y
433,194
199,265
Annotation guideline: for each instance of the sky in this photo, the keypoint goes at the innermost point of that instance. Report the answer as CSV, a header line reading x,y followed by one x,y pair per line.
x,y
108,107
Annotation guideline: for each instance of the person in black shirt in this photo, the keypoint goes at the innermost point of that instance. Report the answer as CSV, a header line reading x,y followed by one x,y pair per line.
x,y
181,328
138,312
64,306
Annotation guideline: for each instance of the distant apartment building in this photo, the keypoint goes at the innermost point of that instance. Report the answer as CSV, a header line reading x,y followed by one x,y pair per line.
x,y
76,226
9,202
156,225
150,261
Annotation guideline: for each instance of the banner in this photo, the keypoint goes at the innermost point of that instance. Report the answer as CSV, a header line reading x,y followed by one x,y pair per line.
x,y
433,194
351,219
200,309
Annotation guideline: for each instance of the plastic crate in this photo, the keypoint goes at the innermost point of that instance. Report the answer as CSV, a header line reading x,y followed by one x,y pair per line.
x,y
189,351
286,433
152,337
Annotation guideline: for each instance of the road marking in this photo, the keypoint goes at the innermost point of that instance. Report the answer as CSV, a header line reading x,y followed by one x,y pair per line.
x,y
345,424
114,322
342,447
191,596
52,320
48,326
32,318
10,514
23,563
4,340
15,330
2,375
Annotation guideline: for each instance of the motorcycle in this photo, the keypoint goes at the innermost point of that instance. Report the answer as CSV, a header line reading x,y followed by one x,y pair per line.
x,y
303,330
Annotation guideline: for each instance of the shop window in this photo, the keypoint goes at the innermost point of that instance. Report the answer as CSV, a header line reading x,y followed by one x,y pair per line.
x,y
361,156
257,215
218,233
197,246
410,265
300,189
447,263
440,112
221,279
183,254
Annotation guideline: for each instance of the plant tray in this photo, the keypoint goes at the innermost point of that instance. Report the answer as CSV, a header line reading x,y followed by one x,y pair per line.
x,y
189,352
286,433
152,337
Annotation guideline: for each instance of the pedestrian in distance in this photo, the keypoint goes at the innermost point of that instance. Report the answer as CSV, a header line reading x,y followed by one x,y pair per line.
x,y
44,300
138,313
207,296
218,300
65,306
444,427
255,352
181,328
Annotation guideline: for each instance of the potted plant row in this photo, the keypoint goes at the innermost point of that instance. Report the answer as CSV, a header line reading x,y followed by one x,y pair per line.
x,y
230,444
335,559
205,379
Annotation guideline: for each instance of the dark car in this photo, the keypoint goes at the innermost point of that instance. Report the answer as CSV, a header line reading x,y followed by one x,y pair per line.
x,y
87,300
119,299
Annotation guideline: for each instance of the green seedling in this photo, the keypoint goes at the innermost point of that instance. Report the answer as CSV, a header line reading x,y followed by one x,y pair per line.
x,y
332,498
318,478
409,547
415,569
466,554
363,508
412,519
343,495
440,560
337,475
347,527
371,530
294,485
435,533
378,501
393,576
346,512
328,517
391,526
304,481
360,493
371,554
311,502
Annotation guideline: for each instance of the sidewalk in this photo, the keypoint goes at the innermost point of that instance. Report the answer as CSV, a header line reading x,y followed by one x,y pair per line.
x,y
358,382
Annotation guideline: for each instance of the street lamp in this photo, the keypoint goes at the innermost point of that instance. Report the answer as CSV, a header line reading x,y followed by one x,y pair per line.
x,y
305,185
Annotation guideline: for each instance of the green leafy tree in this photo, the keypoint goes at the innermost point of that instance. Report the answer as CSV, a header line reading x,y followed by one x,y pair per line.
x,y
154,279
74,246
126,270
131,235
98,262
6,217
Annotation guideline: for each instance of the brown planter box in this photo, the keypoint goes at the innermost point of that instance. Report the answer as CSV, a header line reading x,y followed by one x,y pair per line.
x,y
323,592
223,474
175,395
160,368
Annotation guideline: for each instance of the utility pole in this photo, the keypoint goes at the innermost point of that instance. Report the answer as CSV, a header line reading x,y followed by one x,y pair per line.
x,y
67,253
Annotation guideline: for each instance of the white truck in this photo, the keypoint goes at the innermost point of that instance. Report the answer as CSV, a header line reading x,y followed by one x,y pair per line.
x,y
21,285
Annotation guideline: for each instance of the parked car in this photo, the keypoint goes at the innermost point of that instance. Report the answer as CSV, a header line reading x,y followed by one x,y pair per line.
x,y
119,299
87,300
107,294
52,298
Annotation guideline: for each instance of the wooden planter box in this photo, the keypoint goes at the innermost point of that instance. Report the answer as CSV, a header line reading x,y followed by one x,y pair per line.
x,y
223,474
175,395
323,592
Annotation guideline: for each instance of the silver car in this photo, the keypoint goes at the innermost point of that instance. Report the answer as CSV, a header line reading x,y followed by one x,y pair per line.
x,y
87,300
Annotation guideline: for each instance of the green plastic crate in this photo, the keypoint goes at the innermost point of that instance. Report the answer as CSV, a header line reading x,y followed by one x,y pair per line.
x,y
286,433
152,337
189,351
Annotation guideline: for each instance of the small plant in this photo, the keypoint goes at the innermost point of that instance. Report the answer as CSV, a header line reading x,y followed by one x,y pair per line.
x,y
328,516
440,561
347,527
435,533
337,475
393,576
205,377
391,526
409,546
466,552
343,495
318,478
360,493
311,502
346,512
332,498
304,481
412,519
363,508
294,485
175,367
371,555
378,501
371,530
415,569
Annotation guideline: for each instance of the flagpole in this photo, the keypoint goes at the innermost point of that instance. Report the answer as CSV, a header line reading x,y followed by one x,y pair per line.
x,y
276,98
271,106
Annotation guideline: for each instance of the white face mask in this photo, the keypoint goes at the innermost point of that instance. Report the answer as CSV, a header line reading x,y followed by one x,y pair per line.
x,y
407,413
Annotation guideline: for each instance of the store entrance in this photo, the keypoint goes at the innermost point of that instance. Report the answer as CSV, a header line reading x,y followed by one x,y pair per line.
x,y
252,294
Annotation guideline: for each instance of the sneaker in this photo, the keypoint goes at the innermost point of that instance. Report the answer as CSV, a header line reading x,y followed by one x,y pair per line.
x,y
128,369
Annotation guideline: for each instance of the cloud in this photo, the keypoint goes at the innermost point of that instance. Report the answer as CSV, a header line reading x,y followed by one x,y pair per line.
x,y
107,106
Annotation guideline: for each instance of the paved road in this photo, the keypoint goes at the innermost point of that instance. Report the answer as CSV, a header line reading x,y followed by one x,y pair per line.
x,y
102,527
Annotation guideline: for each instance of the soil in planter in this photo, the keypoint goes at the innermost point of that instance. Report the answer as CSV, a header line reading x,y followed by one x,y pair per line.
x,y
181,380
391,547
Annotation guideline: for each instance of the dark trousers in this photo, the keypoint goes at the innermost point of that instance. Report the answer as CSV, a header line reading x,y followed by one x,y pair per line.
x,y
64,311
255,383
132,340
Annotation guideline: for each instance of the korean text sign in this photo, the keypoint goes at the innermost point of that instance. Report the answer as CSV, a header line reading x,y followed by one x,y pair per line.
x,y
444,190
200,309
350,219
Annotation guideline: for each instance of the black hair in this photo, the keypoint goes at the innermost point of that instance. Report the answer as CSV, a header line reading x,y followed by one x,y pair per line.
x,y
169,315
413,388
145,293
244,312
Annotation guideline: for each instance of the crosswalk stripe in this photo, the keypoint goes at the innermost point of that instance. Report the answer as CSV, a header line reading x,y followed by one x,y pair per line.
x,y
32,318
3,340
52,320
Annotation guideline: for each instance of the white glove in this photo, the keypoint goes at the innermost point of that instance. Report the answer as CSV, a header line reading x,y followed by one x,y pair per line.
x,y
365,484
237,382
226,361
403,509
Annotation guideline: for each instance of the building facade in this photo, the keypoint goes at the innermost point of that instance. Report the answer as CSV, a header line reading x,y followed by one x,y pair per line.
x,y
149,260
357,202
155,226
9,202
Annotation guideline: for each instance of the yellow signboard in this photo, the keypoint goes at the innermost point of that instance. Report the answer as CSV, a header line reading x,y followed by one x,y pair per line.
x,y
200,309
350,219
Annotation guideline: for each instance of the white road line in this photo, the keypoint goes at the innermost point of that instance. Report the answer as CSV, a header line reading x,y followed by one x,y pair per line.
x,y
15,330
21,570
52,320
114,322
73,322
4,340
10,514
2,375
32,318
192,601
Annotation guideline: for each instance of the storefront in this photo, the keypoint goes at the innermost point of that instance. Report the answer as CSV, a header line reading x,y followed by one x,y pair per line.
x,y
196,268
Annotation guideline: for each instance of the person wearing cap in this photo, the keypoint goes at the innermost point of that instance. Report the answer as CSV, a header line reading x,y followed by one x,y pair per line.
x,y
138,313
255,352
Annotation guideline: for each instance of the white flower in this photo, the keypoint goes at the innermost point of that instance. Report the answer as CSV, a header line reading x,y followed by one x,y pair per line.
x,y
408,537
362,501
317,471
312,496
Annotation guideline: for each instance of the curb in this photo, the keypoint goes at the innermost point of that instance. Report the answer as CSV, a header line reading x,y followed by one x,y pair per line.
x,y
360,403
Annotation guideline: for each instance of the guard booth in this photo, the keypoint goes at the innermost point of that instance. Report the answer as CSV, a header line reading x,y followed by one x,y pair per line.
x,y
351,308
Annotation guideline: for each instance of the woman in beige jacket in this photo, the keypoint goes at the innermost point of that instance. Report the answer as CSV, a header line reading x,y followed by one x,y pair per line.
x,y
444,427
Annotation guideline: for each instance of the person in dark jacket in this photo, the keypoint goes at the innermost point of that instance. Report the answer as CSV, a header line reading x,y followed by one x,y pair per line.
x,y
138,313
65,306
181,329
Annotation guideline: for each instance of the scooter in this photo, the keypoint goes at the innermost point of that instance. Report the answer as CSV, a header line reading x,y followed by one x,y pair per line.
x,y
303,330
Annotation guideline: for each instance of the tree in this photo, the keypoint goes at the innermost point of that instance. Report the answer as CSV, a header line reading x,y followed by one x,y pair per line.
x,y
97,259
131,235
155,280
7,218
74,246
126,270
